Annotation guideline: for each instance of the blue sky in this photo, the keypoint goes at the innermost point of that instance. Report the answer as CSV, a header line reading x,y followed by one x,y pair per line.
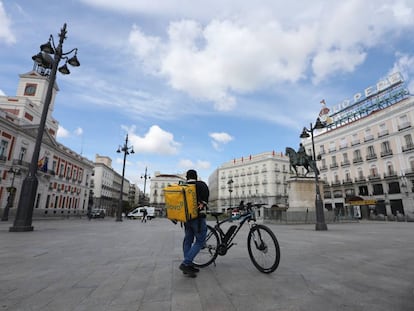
x,y
199,83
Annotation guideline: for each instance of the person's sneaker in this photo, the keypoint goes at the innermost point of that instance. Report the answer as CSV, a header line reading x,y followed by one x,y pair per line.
x,y
187,270
195,270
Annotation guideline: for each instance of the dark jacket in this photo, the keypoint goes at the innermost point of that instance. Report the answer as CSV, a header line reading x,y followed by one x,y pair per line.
x,y
202,191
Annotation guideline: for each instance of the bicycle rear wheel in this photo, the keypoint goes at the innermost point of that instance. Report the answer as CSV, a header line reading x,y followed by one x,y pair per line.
x,y
263,247
209,251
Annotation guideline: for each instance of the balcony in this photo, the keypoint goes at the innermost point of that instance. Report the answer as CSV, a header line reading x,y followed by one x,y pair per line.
x,y
347,181
368,138
374,177
386,153
383,133
409,147
332,149
357,160
3,158
335,183
345,163
360,179
355,142
372,156
391,175
323,168
333,165
21,163
404,126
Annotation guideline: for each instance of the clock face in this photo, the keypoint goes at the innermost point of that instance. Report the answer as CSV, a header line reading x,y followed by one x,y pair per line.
x,y
30,89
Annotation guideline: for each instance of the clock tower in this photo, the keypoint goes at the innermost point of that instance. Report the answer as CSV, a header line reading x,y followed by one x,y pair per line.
x,y
30,95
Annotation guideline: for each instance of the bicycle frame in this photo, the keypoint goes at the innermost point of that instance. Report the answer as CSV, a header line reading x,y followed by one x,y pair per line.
x,y
249,216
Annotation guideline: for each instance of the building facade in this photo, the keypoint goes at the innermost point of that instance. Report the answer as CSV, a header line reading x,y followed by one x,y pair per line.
x,y
106,187
260,178
63,174
367,153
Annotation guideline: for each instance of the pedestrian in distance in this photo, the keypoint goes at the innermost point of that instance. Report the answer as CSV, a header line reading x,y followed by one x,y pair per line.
x,y
144,215
195,228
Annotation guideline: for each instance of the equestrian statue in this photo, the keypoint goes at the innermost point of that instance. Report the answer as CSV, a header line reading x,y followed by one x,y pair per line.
x,y
300,158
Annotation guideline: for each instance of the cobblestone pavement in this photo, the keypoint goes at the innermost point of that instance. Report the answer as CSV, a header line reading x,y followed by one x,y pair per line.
x,y
108,265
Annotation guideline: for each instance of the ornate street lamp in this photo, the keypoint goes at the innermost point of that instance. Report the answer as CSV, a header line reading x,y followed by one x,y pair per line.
x,y
12,192
48,67
230,185
145,177
126,150
320,216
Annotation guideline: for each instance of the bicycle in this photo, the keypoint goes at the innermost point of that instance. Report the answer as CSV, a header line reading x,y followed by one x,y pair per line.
x,y
262,245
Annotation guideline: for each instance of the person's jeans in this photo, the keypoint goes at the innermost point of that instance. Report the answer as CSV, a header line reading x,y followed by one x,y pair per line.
x,y
196,228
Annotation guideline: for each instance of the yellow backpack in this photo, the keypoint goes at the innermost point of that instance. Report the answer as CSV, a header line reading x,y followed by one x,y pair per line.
x,y
181,202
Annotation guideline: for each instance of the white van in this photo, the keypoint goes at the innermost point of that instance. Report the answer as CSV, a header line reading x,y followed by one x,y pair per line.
x,y
138,212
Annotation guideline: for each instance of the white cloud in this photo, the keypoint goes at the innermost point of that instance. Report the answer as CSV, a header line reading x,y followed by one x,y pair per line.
x,y
6,34
2,93
187,164
405,65
156,141
78,131
220,139
62,132
233,54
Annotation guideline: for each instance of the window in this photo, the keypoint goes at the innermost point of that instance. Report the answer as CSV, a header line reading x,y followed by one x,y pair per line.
x,y
61,169
350,192
355,139
368,135
3,149
22,153
345,158
332,146
403,122
371,151
408,140
390,169
385,148
343,143
357,156
382,130
327,195
394,187
409,145
321,149
347,176
363,190
334,164
377,189
373,171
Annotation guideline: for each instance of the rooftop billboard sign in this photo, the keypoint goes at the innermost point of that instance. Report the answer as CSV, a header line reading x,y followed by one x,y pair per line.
x,y
385,93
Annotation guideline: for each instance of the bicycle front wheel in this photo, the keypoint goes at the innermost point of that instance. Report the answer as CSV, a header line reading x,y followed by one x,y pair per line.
x,y
263,247
208,252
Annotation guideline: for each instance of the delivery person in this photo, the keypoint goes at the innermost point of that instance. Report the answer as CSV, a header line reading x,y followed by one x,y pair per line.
x,y
195,228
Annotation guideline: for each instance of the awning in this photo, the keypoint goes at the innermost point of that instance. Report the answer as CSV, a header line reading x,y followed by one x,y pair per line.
x,y
363,202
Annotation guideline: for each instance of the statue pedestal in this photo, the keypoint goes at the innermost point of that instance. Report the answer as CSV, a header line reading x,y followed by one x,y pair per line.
x,y
302,193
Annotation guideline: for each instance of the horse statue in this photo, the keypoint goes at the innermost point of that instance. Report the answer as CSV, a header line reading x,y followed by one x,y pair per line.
x,y
301,159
